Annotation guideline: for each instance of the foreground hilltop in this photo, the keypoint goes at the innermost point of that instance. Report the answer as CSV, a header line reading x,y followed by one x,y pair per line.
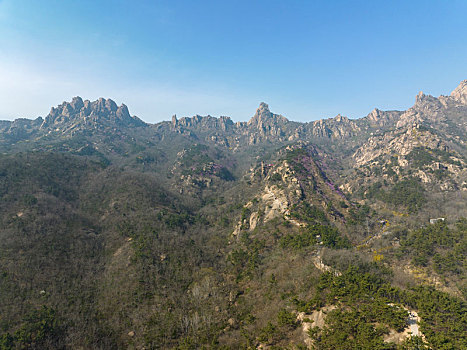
x,y
200,232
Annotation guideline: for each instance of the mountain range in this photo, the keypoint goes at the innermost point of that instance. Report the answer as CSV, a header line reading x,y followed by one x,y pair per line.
x,y
202,232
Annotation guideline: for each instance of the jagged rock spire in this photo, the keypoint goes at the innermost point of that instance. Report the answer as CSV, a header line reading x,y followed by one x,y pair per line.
x,y
460,93
263,116
78,111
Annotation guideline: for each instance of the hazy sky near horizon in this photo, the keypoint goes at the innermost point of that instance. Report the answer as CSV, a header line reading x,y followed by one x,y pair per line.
x,y
307,59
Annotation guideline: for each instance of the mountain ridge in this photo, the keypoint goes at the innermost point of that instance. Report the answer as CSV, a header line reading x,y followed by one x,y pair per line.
x,y
84,108
201,232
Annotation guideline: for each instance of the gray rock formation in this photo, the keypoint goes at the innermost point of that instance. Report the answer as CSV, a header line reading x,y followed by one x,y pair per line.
x,y
70,115
460,93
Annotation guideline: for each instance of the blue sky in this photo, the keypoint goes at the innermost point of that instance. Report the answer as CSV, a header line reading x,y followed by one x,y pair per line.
x,y
307,59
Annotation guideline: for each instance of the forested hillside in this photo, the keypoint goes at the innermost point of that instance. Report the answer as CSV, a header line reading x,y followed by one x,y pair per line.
x,y
205,233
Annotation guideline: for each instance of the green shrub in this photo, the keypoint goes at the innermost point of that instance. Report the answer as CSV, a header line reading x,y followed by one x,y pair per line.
x,y
286,319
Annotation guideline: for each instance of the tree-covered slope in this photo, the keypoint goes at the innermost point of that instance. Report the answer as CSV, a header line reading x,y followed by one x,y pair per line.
x,y
205,233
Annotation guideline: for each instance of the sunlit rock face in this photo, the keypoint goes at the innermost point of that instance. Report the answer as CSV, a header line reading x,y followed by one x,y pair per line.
x,y
78,114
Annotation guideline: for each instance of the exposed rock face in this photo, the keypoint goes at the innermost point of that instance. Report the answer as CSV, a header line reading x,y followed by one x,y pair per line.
x,y
19,129
444,111
426,142
300,176
264,126
413,150
378,118
78,113
446,114
315,319
264,120
199,122
399,144
20,123
337,127
412,329
460,93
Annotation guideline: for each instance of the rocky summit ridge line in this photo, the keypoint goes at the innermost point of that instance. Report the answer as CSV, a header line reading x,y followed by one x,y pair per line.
x,y
263,126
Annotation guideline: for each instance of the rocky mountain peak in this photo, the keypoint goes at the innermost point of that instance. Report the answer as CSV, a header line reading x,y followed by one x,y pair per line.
x,y
426,102
341,119
264,107
77,103
379,118
263,117
374,115
460,93
86,112
262,114
420,97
